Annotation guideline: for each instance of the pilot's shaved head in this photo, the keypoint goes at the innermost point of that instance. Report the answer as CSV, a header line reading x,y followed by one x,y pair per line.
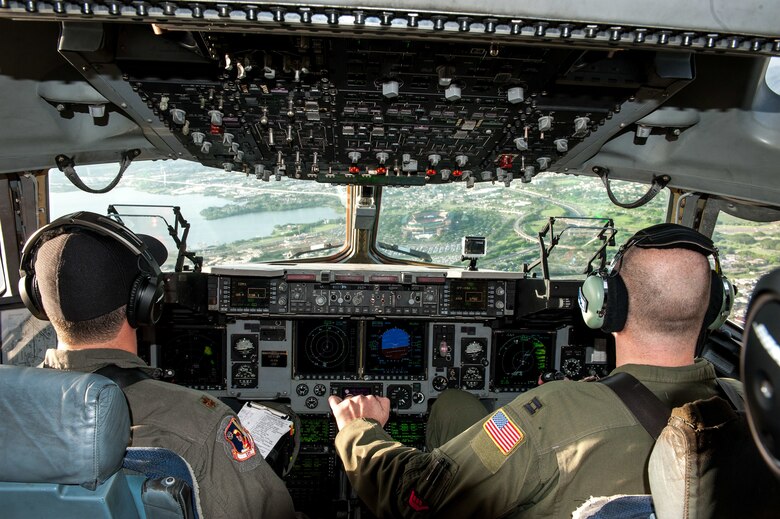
x,y
668,293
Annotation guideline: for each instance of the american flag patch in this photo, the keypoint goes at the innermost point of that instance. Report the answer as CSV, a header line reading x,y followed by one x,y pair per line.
x,y
503,431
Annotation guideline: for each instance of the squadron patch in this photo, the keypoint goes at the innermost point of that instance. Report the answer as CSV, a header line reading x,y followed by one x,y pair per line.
x,y
503,431
416,503
240,441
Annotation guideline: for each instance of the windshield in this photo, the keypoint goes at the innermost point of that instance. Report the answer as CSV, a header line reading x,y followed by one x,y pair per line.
x,y
434,220
235,219
748,250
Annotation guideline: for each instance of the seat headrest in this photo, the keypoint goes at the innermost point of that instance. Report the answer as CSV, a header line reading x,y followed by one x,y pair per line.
x,y
61,427
704,464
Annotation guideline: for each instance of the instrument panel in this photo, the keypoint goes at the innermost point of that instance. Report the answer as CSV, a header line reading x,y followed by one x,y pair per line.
x,y
301,333
298,334
358,294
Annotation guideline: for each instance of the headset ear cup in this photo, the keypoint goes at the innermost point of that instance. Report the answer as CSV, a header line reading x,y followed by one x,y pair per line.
x,y
721,300
31,296
617,305
132,303
591,300
144,305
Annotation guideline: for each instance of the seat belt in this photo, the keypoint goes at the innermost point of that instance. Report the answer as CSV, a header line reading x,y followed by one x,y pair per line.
x,y
643,404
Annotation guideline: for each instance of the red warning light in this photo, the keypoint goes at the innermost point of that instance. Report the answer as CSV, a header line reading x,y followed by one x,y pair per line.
x,y
381,170
215,130
354,170
430,172
457,173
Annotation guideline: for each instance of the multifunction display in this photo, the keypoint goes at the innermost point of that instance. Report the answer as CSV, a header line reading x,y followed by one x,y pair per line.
x,y
469,295
395,349
249,293
521,356
326,347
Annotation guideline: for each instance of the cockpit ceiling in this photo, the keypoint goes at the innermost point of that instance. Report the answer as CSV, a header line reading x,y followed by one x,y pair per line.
x,y
394,97
719,25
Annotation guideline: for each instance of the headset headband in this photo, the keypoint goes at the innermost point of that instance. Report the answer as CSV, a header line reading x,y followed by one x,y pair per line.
x,y
669,236
101,225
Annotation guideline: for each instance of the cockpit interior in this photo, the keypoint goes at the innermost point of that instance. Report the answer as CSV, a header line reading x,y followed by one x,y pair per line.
x,y
446,111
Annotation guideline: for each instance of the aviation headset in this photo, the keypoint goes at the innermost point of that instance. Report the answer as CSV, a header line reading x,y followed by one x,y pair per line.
x,y
603,297
145,299
761,368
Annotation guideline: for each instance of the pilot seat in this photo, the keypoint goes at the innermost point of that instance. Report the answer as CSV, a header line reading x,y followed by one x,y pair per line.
x,y
65,438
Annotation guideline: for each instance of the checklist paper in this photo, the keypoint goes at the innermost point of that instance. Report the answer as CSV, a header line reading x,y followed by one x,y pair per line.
x,y
265,425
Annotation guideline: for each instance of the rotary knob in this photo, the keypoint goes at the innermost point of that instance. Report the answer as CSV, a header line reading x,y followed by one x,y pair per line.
x,y
320,300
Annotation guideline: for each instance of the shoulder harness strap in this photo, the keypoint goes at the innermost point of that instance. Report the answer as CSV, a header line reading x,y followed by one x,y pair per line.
x,y
728,388
643,404
123,377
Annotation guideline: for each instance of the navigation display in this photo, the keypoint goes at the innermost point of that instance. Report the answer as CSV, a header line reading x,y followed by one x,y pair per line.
x,y
469,295
326,347
521,356
249,293
192,358
395,349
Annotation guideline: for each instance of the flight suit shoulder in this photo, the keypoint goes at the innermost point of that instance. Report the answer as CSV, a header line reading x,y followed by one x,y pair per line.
x,y
563,412
191,414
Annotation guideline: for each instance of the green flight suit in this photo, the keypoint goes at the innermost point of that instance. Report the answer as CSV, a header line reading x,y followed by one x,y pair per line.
x,y
193,425
558,445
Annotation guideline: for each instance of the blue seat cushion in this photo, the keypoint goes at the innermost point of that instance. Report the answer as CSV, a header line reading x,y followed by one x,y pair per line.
x,y
61,427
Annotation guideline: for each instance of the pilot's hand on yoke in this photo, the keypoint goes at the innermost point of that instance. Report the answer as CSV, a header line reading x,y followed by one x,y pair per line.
x,y
360,406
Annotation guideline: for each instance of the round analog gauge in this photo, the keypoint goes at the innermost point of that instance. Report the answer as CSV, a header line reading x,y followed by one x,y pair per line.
x,y
400,396
311,402
320,389
244,375
439,383
301,390
473,377
474,352
243,348
571,367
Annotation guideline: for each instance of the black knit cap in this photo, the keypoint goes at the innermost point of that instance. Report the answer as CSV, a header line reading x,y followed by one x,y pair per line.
x,y
83,275
672,236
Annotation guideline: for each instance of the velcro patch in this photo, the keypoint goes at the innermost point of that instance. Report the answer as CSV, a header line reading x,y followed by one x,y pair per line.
x,y
240,441
503,431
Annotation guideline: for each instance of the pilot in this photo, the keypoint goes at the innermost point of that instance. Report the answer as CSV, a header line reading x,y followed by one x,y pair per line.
x,y
553,447
84,281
